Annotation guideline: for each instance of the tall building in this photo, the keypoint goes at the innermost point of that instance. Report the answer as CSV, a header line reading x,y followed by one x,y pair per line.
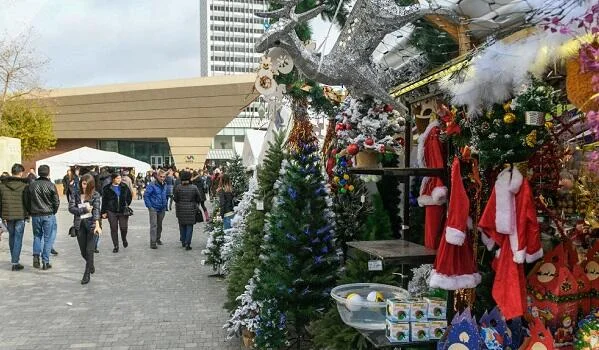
x,y
229,30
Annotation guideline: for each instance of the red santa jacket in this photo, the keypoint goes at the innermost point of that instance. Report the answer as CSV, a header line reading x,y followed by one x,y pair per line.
x,y
509,221
430,155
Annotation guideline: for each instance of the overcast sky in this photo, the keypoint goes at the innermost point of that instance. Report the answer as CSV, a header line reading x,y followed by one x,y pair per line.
x,y
92,42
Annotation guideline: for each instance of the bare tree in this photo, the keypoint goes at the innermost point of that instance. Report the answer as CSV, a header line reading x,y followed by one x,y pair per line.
x,y
19,68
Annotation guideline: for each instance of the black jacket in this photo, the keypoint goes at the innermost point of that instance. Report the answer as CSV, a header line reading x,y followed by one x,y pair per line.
x,y
186,197
225,200
43,197
95,202
112,203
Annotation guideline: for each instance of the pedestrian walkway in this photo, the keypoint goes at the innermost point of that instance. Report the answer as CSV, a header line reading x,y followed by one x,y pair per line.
x,y
138,298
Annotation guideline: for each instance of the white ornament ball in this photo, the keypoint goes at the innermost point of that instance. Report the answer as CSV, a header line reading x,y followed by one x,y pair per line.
x,y
353,302
375,297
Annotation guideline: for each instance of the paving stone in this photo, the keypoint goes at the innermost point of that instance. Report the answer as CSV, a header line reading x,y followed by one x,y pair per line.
x,y
138,298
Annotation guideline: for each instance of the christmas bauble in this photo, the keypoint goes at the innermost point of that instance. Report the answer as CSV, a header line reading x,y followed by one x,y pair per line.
x,y
509,118
336,179
346,177
342,182
342,190
351,188
401,141
382,149
369,141
375,297
334,151
354,302
388,108
339,127
548,125
353,149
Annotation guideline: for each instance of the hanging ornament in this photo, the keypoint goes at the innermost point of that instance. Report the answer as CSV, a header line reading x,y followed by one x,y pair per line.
x,y
346,177
339,127
531,139
353,149
351,188
388,108
509,118
336,179
369,141
549,125
282,61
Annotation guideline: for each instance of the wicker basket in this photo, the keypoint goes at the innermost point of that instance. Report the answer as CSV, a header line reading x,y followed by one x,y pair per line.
x,y
367,159
248,338
579,87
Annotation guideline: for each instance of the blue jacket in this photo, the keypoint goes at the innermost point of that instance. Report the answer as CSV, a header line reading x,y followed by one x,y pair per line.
x,y
155,196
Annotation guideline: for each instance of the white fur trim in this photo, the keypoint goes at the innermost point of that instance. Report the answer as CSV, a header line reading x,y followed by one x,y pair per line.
x,y
422,140
534,256
487,241
429,200
439,194
518,253
498,253
506,187
454,236
456,282
519,256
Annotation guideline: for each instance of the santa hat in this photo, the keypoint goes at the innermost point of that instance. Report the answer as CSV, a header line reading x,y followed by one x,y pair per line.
x,y
459,206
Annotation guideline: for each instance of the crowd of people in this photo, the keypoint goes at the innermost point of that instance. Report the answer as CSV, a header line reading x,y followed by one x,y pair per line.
x,y
104,195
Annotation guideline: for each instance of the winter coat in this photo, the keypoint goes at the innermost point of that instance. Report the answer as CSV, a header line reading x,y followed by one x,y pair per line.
x,y
95,202
113,203
13,197
226,202
43,197
155,196
187,197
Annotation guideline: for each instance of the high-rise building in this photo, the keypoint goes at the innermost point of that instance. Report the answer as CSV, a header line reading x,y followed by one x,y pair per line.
x,y
229,30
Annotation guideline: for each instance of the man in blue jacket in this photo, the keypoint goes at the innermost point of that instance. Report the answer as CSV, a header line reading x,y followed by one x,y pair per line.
x,y
155,200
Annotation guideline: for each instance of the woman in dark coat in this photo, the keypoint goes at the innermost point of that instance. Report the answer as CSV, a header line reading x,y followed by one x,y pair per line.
x,y
187,197
116,198
85,206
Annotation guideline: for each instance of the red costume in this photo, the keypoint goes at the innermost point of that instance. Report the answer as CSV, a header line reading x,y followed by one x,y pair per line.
x,y
433,193
510,221
455,266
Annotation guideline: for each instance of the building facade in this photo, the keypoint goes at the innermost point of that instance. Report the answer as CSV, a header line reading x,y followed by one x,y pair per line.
x,y
228,31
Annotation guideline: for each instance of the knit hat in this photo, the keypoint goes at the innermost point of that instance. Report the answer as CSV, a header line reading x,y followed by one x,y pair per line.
x,y
185,176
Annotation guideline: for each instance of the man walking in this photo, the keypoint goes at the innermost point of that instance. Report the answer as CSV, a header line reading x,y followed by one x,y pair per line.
x,y
155,201
44,202
13,210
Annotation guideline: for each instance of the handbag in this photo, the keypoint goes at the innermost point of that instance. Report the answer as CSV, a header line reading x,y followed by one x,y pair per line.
x,y
199,215
73,231
128,211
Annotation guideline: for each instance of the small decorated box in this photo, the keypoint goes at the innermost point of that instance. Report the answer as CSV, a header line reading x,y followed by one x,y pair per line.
x,y
437,308
419,310
398,310
436,329
397,332
419,331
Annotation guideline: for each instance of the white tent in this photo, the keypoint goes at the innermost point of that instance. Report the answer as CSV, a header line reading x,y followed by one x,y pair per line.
x,y
86,156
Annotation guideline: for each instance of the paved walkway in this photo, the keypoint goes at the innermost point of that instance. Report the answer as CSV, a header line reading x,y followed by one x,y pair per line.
x,y
137,299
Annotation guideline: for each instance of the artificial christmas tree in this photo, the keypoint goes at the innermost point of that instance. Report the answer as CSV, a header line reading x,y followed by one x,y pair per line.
x,y
239,179
216,238
299,262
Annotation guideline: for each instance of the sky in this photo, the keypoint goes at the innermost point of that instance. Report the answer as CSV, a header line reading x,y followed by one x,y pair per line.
x,y
94,42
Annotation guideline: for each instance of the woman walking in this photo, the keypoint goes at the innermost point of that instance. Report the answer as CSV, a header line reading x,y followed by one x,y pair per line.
x,y
170,187
187,197
85,206
116,198
225,198
139,186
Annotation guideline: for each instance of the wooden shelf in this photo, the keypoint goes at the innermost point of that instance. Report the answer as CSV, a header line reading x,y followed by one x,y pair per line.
x,y
395,252
399,171
380,341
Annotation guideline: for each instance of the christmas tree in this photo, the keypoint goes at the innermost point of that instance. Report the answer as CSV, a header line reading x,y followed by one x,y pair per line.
x,y
216,238
241,267
239,179
299,262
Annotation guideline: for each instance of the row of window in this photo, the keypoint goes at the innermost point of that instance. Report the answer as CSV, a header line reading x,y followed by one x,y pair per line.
x,y
232,69
236,40
236,29
236,59
237,19
235,9
245,49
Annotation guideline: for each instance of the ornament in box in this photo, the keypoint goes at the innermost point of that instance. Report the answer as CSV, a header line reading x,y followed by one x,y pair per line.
x,y
540,337
462,334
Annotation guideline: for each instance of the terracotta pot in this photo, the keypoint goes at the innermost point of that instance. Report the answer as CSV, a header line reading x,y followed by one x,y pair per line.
x,y
367,159
579,87
248,338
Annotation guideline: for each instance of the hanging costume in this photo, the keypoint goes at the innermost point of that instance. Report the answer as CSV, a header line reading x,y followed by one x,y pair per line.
x,y
433,193
510,222
455,266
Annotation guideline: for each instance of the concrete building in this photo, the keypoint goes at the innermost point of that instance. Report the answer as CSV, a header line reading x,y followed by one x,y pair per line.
x,y
228,31
162,123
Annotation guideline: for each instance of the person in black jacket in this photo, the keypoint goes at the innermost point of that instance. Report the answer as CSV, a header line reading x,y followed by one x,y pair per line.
x,y
186,197
85,205
43,204
116,198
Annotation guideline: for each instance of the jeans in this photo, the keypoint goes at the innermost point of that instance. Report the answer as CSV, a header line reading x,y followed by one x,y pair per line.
x,y
170,200
227,222
44,233
118,220
155,225
186,232
16,228
87,243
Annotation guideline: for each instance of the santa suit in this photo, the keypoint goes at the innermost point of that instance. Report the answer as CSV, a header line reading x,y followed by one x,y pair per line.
x,y
433,193
455,266
510,221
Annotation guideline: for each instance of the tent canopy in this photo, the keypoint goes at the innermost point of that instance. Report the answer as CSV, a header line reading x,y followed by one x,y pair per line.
x,y
86,156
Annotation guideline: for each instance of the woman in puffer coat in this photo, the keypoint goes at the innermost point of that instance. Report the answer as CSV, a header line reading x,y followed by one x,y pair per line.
x,y
187,197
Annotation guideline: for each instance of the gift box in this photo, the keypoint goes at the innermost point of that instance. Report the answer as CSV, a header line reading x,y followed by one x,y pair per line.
x,y
494,330
398,310
397,332
461,334
437,308
591,269
540,337
436,329
584,289
418,310
419,331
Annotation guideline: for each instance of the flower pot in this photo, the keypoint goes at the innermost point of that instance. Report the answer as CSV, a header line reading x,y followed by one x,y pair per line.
x,y
248,338
367,159
579,87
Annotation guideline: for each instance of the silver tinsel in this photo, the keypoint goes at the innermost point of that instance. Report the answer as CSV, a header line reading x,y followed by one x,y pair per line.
x,y
350,61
